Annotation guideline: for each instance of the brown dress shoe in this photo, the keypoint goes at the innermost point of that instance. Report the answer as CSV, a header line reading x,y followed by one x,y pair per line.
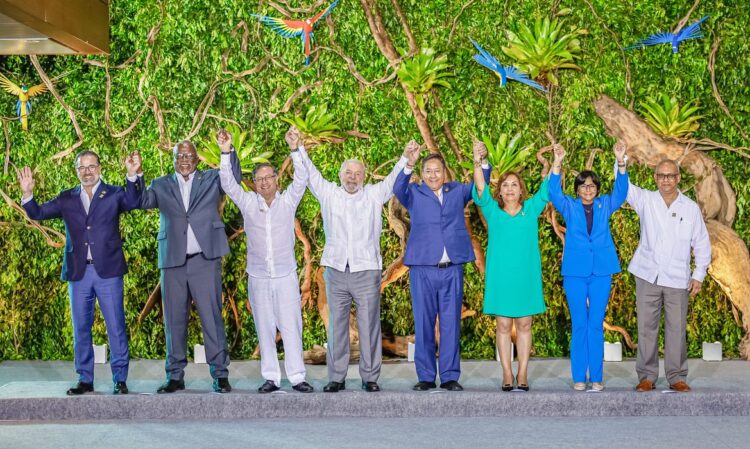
x,y
680,386
644,385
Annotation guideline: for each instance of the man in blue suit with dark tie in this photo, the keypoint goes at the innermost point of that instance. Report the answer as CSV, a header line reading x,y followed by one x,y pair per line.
x,y
437,249
93,262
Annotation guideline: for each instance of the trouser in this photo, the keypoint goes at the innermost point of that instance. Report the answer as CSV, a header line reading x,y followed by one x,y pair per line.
x,y
364,288
276,305
198,279
587,301
649,299
83,295
437,292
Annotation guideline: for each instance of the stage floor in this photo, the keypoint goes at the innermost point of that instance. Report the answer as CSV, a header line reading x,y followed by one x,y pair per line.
x,y
35,390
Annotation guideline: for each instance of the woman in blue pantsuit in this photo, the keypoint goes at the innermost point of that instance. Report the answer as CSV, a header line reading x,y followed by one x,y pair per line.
x,y
589,261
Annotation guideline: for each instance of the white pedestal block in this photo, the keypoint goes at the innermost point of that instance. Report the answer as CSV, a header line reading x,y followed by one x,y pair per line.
x,y
411,347
100,353
612,352
199,354
712,351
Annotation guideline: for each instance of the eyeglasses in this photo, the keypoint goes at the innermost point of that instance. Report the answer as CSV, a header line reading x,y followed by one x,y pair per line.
x,y
186,156
264,179
667,176
87,168
587,187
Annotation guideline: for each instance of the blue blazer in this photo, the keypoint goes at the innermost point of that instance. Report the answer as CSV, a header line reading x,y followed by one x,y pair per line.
x,y
98,230
435,226
595,254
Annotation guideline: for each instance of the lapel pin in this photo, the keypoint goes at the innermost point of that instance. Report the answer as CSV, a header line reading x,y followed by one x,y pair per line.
x,y
101,195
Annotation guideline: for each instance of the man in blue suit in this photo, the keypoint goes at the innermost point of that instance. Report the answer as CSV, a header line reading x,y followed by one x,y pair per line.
x,y
93,262
436,251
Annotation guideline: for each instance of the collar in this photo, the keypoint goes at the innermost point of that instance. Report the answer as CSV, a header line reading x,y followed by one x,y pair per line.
x,y
262,201
181,179
96,187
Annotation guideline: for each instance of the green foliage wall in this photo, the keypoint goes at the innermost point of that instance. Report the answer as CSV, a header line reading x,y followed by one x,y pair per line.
x,y
186,60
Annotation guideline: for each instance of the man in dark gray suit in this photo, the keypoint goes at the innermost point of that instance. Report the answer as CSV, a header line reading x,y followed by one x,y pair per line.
x,y
192,241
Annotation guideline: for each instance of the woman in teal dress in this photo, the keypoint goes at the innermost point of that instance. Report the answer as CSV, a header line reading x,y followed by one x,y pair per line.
x,y
513,290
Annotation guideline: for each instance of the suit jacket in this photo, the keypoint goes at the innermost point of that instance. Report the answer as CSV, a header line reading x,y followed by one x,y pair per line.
x,y
586,254
202,215
435,226
98,230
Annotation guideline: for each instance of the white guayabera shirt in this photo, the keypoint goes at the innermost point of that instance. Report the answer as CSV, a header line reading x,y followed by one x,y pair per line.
x,y
352,222
269,230
667,236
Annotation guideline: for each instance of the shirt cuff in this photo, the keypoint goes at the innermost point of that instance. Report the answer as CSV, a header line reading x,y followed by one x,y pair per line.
x,y
135,177
26,200
699,274
225,160
485,165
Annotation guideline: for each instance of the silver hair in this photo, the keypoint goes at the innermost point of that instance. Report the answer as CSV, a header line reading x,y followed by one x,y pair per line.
x,y
668,161
181,143
85,153
351,161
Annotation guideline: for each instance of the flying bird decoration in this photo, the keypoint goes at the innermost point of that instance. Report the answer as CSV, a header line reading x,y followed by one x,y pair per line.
x,y
297,28
693,31
24,93
503,72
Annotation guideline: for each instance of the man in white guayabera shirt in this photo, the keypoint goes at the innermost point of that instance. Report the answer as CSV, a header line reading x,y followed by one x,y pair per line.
x,y
352,220
671,225
273,286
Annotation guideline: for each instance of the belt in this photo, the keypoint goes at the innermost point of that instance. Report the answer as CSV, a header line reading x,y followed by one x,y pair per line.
x,y
89,261
444,264
190,256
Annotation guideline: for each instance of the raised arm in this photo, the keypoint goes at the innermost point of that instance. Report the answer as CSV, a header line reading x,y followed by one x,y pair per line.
x,y
556,194
294,192
229,183
620,190
35,211
480,159
401,184
134,183
384,189
319,186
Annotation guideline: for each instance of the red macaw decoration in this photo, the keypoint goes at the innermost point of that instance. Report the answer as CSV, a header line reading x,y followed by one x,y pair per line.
x,y
295,28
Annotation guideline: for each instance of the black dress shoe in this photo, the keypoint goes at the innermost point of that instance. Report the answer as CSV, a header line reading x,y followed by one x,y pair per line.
x,y
423,386
221,385
80,388
370,387
120,388
171,386
334,387
452,385
268,387
303,387
523,387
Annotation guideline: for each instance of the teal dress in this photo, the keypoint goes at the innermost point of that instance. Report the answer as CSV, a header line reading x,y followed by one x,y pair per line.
x,y
513,286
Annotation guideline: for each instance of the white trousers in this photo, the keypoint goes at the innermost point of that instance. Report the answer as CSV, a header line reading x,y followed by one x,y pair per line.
x,y
276,305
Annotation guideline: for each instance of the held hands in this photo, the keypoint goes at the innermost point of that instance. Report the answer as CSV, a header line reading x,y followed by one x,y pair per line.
x,y
559,154
480,152
619,150
133,163
694,288
224,139
293,138
26,181
411,153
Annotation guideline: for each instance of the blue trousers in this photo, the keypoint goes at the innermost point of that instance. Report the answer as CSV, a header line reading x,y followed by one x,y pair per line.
x,y
83,295
587,301
437,292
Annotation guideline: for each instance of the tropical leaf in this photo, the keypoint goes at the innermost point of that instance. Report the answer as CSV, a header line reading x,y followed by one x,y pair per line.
x,y
668,118
210,153
506,153
318,125
423,72
544,49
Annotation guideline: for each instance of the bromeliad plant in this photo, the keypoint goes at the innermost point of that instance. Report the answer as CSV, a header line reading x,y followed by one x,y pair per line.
x,y
544,49
506,155
423,72
669,119
317,126
211,153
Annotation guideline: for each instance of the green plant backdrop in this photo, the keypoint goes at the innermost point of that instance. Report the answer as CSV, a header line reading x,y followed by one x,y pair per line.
x,y
187,59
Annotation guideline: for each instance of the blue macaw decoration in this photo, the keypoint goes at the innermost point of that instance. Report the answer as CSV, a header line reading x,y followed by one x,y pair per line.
x,y
503,72
690,32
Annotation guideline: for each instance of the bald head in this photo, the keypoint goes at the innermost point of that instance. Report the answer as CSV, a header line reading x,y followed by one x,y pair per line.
x,y
672,164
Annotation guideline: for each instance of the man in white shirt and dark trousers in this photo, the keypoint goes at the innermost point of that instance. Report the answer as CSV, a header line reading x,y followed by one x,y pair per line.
x,y
273,286
352,220
671,225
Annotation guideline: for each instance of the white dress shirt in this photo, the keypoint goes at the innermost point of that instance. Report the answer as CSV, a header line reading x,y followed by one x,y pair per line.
x,y
185,187
667,236
269,229
352,221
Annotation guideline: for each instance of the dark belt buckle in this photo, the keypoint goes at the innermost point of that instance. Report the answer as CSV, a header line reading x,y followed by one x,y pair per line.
x,y
443,264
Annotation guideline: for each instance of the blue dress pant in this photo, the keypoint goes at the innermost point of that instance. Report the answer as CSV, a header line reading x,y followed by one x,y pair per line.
x,y
83,295
437,292
587,301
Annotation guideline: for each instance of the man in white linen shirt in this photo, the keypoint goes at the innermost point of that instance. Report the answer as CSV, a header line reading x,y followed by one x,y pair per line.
x,y
273,286
671,225
352,220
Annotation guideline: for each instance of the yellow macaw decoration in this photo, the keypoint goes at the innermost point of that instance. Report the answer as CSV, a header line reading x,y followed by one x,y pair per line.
x,y
23,107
